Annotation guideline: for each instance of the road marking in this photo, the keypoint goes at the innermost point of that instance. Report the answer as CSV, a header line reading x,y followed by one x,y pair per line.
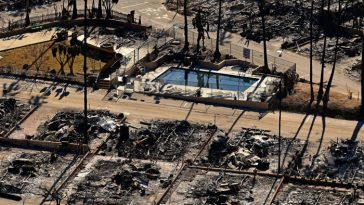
x,y
134,5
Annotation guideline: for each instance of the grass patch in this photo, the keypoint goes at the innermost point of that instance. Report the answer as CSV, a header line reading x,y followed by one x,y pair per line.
x,y
40,58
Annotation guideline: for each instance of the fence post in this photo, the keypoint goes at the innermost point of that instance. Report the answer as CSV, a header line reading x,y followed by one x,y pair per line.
x,y
230,48
253,57
193,38
174,32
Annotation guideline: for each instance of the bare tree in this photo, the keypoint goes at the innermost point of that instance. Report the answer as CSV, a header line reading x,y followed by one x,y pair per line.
x,y
108,5
72,52
60,54
38,56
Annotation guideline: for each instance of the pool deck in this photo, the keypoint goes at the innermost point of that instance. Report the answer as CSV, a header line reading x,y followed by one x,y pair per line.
x,y
266,87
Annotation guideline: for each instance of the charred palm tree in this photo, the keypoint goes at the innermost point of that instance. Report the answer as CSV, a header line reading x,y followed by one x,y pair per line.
x,y
311,52
99,10
329,83
217,53
27,18
323,20
263,9
74,9
186,24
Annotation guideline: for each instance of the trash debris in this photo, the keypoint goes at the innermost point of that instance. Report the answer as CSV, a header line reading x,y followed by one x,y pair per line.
x,y
251,148
342,160
69,126
11,112
118,182
303,194
206,187
163,140
30,172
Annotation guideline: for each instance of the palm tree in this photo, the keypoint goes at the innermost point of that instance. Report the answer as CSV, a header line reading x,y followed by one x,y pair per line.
x,y
217,53
74,7
186,24
99,10
311,51
329,83
323,19
27,19
263,10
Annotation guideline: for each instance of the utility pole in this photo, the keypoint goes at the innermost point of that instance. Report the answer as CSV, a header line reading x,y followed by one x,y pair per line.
x,y
362,76
279,125
85,140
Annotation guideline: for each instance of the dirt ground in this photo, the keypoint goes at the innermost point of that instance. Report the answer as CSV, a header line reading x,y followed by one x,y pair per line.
x,y
340,105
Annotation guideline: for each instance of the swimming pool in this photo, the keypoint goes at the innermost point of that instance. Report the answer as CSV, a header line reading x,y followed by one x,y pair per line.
x,y
205,79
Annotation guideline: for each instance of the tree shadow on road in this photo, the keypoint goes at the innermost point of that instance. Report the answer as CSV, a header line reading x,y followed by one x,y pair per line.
x,y
356,131
235,122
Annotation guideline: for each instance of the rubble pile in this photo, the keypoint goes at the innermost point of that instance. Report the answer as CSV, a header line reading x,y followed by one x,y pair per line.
x,y
284,19
69,126
347,47
163,140
289,20
250,148
201,187
118,182
342,160
222,190
11,111
354,72
292,194
25,173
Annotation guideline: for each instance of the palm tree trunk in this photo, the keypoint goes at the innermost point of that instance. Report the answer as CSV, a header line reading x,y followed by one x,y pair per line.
x,y
74,6
99,10
311,52
321,87
186,24
329,83
27,18
262,13
217,53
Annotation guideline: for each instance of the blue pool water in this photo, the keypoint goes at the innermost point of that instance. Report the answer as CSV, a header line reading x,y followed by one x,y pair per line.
x,y
205,79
